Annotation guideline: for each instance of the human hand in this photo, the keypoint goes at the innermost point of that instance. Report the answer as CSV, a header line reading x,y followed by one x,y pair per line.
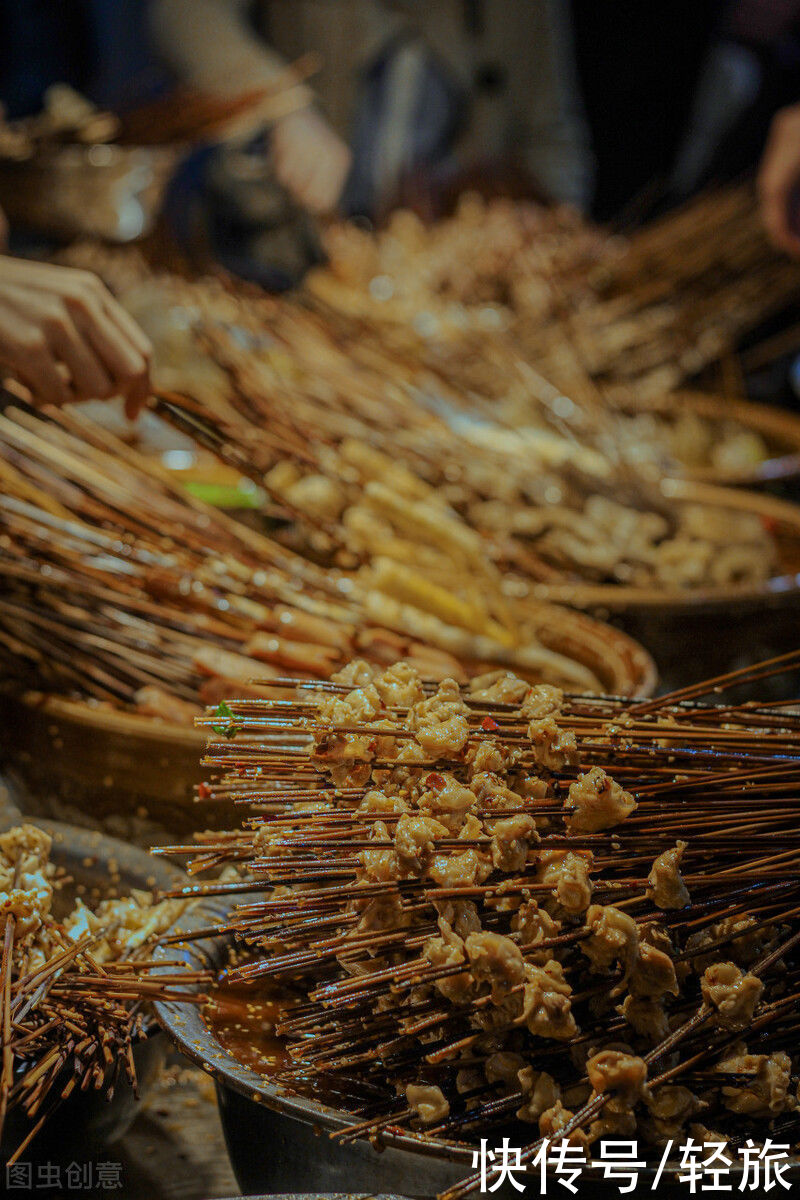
x,y
311,160
778,175
66,338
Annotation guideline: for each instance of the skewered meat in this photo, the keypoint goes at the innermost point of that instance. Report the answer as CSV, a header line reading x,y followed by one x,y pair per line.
x,y
496,960
624,1075
569,873
444,739
399,686
554,1120
595,801
493,757
449,800
553,747
428,1102
541,1093
542,701
505,1067
512,838
381,866
547,1008
534,925
614,938
415,841
733,995
653,974
767,1092
646,1017
447,950
499,687
666,887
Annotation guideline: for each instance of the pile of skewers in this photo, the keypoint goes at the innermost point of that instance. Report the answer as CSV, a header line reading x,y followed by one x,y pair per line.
x,y
72,992
393,467
120,587
648,311
502,908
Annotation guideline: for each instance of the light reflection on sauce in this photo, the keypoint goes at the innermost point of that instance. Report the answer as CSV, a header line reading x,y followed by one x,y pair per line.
x,y
243,1018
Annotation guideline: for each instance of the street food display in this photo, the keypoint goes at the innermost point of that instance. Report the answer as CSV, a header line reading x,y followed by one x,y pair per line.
x,y
72,989
386,464
501,908
648,310
119,587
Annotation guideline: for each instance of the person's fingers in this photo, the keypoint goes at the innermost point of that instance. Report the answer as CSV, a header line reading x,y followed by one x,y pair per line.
x,y
135,402
126,364
25,351
90,380
129,327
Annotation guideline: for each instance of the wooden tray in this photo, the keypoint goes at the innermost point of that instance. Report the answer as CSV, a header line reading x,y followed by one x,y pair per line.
x,y
779,429
781,516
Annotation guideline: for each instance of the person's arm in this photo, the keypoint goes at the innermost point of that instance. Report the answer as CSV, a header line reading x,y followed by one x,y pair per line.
x,y
778,177
64,336
210,45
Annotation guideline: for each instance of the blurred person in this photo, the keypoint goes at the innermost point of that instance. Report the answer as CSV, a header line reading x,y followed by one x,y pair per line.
x,y
62,334
211,45
408,84
779,181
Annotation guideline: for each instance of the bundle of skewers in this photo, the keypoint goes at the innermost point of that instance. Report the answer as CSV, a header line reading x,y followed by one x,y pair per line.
x,y
119,586
394,467
73,992
649,310
503,909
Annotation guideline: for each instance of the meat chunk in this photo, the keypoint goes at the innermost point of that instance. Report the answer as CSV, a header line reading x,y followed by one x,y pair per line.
x,y
415,842
495,960
444,705
511,840
460,915
614,938
399,686
623,1075
595,801
534,926
427,1102
375,802
666,887
670,1107
499,687
553,747
459,870
445,739
447,950
733,995
493,793
504,1067
653,974
380,865
492,756
543,700
646,1017
554,1120
449,801
355,674
546,1006
767,1092
541,1093
568,874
